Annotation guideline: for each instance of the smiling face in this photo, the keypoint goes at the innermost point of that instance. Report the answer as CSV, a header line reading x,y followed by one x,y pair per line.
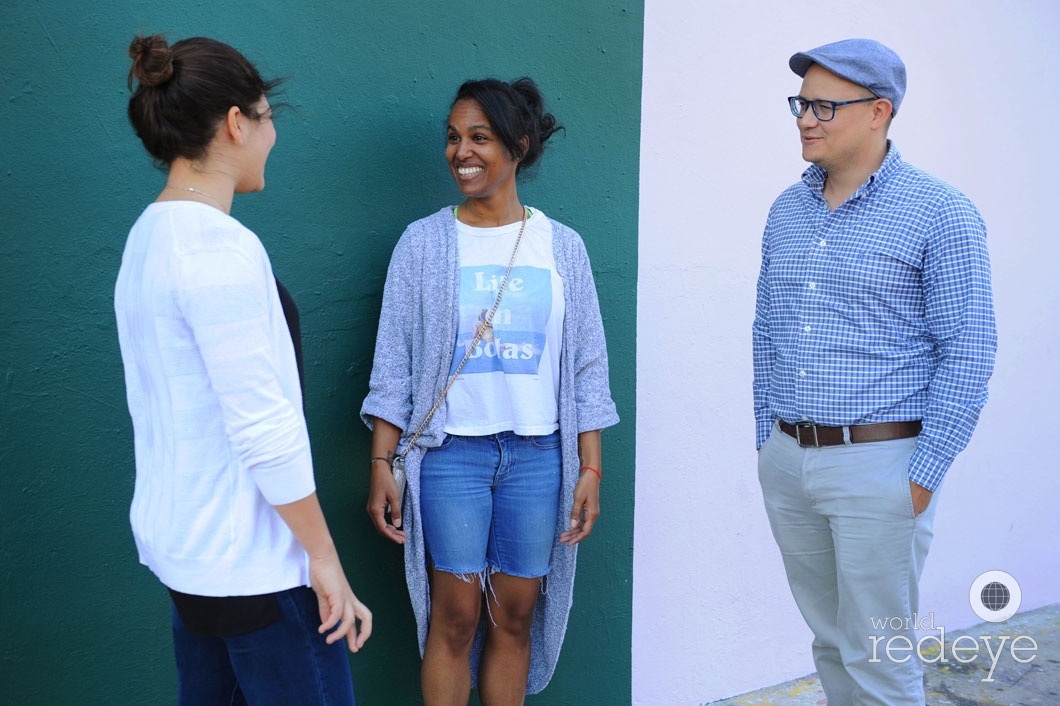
x,y
849,138
480,163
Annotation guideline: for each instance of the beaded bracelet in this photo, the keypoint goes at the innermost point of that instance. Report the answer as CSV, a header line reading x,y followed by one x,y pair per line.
x,y
590,468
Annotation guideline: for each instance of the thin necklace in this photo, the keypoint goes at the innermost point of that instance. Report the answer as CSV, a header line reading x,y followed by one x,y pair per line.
x,y
193,190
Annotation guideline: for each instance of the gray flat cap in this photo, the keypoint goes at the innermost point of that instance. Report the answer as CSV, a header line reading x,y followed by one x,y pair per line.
x,y
865,62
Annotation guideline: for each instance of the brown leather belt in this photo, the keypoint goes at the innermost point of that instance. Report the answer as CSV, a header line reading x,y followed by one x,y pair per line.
x,y
813,435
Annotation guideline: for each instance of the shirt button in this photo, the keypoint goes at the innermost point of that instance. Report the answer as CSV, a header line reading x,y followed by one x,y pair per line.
x,y
813,285
802,373
822,243
806,329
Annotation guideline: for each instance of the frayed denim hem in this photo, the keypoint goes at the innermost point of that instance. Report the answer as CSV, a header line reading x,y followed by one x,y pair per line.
x,y
486,584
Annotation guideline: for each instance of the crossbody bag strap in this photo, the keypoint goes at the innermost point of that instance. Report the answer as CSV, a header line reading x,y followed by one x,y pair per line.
x,y
484,326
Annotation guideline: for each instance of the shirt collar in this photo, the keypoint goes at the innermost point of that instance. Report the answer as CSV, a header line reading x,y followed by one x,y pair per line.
x,y
814,176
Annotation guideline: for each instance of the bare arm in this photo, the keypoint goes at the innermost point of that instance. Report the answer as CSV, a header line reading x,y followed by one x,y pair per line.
x,y
340,611
383,490
586,508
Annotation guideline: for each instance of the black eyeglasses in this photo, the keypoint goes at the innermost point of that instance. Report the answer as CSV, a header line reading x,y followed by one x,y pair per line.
x,y
823,110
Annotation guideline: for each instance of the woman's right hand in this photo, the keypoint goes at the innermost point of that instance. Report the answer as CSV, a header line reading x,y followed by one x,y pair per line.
x,y
383,493
382,488
342,615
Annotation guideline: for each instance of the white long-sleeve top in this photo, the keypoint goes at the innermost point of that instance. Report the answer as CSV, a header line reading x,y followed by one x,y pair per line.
x,y
213,391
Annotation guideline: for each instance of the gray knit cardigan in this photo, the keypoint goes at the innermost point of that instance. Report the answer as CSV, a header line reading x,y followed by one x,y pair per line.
x,y
413,354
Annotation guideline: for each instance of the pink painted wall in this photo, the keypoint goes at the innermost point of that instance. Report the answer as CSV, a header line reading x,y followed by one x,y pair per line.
x,y
712,616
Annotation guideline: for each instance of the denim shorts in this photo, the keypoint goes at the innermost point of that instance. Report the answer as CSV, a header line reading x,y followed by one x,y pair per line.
x,y
491,502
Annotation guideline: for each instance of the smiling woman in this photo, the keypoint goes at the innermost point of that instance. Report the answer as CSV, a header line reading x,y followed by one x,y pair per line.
x,y
482,165
495,130
497,302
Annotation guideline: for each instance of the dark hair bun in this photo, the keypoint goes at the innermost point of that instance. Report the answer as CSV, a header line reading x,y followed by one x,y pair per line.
x,y
152,61
535,105
185,91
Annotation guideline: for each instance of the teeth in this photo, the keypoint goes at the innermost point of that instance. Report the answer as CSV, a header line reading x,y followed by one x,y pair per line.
x,y
468,171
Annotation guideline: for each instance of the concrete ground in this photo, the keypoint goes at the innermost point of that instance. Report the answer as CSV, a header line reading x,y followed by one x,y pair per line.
x,y
1024,677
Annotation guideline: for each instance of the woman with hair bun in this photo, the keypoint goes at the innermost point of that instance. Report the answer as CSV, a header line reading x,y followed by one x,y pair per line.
x,y
488,392
225,510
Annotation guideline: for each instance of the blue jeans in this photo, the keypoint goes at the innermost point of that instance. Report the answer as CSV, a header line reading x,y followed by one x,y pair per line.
x,y
286,663
853,552
491,502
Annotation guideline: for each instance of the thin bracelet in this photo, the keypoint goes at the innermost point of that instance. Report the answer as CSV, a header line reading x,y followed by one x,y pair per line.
x,y
590,468
385,460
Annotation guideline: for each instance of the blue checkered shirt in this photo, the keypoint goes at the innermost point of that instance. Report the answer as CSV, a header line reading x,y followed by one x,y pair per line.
x,y
878,311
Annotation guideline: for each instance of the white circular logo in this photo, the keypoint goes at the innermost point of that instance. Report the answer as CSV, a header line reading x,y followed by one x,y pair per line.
x,y
995,596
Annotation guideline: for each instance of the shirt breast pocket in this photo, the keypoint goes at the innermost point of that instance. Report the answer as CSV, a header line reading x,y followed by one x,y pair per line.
x,y
889,272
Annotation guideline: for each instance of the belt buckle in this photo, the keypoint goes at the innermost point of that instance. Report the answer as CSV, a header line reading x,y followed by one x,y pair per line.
x,y
798,435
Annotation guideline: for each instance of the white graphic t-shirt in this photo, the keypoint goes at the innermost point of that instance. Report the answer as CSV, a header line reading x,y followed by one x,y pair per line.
x,y
511,381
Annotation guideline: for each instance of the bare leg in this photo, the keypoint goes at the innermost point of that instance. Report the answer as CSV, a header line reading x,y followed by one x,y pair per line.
x,y
506,654
445,676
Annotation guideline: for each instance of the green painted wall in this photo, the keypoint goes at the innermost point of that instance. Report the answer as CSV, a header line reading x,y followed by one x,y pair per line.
x,y
358,157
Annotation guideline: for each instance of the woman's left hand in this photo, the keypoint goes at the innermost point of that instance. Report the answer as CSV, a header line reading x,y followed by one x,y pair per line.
x,y
586,509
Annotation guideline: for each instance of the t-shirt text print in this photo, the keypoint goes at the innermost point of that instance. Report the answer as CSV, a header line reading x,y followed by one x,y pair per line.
x,y
511,379
516,340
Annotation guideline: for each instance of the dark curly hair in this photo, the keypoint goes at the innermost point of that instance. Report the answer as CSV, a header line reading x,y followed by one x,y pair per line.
x,y
515,110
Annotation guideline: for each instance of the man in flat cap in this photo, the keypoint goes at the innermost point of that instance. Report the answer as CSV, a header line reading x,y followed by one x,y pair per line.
x,y
874,339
